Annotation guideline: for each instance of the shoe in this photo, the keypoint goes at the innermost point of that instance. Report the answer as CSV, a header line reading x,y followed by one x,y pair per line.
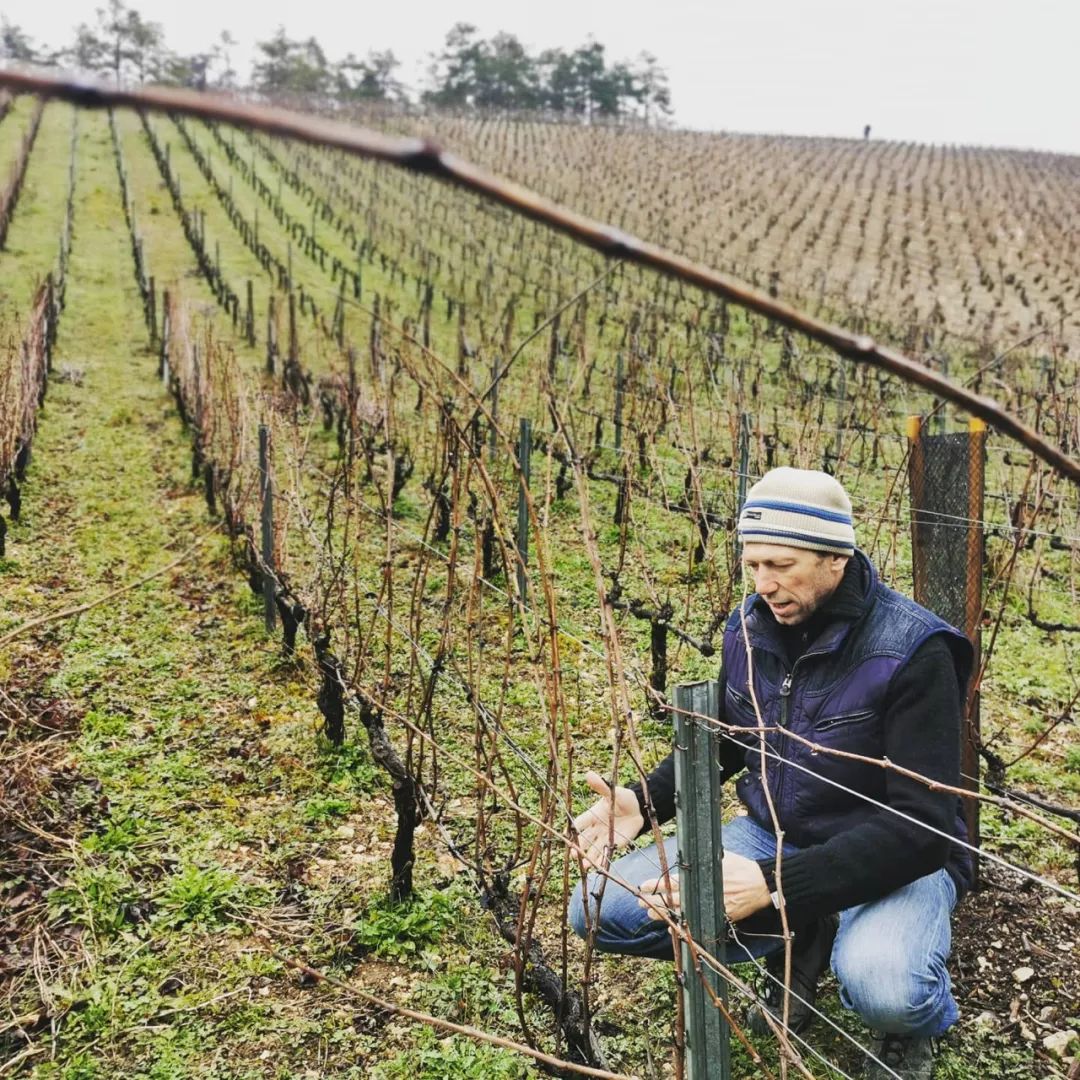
x,y
903,1056
810,954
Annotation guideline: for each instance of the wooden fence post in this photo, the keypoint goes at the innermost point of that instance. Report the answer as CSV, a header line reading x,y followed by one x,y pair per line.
x,y
976,542
744,459
339,315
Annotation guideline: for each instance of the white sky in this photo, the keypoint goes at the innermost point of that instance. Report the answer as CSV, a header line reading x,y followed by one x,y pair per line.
x,y
989,72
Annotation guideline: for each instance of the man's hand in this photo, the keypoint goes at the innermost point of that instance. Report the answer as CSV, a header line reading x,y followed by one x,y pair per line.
x,y
745,890
660,900
594,826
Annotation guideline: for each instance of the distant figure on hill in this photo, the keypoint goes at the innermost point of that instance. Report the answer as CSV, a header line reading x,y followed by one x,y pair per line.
x,y
866,132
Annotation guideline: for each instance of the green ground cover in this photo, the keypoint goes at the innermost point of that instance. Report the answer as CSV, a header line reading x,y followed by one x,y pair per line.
x,y
12,129
28,255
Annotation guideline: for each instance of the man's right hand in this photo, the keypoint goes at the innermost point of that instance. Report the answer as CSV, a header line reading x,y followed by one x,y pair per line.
x,y
594,827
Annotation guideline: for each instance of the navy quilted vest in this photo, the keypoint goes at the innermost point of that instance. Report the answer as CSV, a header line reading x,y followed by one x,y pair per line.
x,y
834,696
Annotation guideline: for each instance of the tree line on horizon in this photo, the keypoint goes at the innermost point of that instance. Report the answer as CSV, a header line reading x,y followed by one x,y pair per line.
x,y
469,72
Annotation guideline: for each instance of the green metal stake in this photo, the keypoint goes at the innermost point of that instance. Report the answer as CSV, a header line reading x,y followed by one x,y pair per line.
x,y
701,879
266,490
618,401
493,397
524,459
744,469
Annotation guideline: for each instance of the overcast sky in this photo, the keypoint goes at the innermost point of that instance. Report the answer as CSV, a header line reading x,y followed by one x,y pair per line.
x,y
989,72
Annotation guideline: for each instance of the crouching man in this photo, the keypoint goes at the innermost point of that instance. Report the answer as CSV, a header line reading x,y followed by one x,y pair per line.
x,y
870,873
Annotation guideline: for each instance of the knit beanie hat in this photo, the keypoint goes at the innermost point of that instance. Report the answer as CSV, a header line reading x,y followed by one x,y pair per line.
x,y
800,508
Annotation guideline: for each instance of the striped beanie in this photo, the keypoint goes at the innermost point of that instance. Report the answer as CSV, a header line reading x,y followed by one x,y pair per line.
x,y
800,508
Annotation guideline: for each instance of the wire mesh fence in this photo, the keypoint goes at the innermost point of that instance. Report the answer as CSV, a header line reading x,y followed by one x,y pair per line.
x,y
947,475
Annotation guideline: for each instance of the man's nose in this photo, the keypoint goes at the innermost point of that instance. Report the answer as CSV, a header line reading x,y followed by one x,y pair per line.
x,y
765,584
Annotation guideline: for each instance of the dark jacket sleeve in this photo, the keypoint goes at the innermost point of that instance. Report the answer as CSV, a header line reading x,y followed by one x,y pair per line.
x,y
661,781
889,850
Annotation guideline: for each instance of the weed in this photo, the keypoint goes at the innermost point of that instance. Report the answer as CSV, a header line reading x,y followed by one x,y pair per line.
x,y
103,726
347,764
320,808
80,1067
98,896
467,994
987,1058
399,931
253,964
122,832
435,1058
206,896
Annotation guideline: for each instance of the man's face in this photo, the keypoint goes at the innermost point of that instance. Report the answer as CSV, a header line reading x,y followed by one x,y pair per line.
x,y
794,582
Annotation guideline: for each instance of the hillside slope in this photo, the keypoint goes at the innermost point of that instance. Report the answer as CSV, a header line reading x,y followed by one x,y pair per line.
x,y
979,243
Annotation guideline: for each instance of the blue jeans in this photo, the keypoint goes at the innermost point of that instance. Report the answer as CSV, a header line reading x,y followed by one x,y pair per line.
x,y
889,955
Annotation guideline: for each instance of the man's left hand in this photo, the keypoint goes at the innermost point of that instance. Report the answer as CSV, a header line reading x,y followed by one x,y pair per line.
x,y
745,889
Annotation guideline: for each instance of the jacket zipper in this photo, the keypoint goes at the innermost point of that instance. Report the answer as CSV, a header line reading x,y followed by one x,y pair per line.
x,y
785,716
785,698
